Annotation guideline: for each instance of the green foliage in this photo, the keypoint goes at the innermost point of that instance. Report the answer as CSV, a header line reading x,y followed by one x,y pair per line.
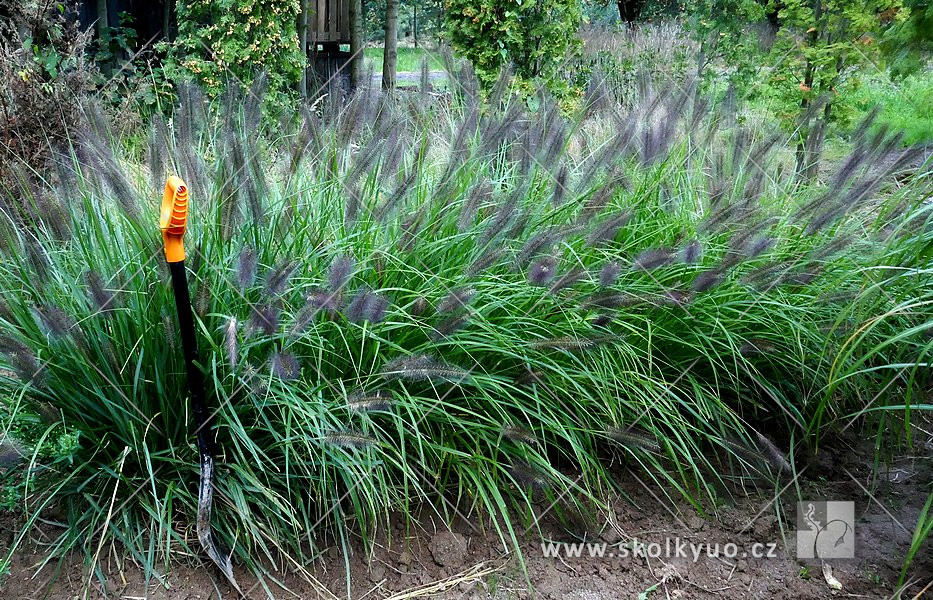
x,y
426,15
728,44
536,38
45,72
409,59
906,105
118,41
922,534
824,43
908,44
217,38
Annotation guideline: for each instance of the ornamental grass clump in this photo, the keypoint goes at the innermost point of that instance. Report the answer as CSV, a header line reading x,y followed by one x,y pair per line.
x,y
408,299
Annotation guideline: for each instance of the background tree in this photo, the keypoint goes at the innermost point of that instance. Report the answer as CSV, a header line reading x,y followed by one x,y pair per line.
x,y
390,57
723,30
533,36
103,33
630,10
908,44
356,42
826,43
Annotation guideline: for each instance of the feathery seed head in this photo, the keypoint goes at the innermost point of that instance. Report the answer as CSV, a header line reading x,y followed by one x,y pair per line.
x,y
692,252
285,366
519,434
367,305
421,367
568,279
456,300
653,259
350,440
55,321
450,325
542,270
102,298
528,377
265,319
340,272
609,274
567,342
756,346
527,476
633,438
362,402
230,342
707,280
419,306
278,279
246,268
606,230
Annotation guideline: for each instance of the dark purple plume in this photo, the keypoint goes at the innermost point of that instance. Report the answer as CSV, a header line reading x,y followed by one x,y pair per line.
x,y
456,300
692,252
264,319
246,268
653,259
542,270
278,279
609,274
367,305
340,271
285,366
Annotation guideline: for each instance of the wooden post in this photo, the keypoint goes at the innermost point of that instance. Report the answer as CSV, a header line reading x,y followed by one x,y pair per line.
x,y
167,21
356,42
390,54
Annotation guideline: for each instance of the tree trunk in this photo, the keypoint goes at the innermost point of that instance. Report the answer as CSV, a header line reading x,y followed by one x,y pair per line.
x,y
103,34
390,56
803,158
303,44
356,42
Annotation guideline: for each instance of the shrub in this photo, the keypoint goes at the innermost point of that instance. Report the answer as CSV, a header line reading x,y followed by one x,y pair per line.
x,y
533,37
220,37
42,62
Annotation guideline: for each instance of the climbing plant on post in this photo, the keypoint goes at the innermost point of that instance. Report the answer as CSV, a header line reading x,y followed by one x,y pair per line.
x,y
217,38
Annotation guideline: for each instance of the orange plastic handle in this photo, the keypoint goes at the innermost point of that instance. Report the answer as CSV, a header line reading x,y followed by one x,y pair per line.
x,y
174,218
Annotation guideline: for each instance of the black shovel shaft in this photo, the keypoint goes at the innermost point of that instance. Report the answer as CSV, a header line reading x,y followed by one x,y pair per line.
x,y
189,346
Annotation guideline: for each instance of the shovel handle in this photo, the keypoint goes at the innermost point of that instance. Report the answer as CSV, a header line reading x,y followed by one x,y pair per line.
x,y
189,347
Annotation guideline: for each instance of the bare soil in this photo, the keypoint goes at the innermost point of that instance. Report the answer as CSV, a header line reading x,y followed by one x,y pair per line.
x,y
467,559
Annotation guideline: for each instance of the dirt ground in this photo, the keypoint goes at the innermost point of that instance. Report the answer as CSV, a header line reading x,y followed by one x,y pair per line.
x,y
468,560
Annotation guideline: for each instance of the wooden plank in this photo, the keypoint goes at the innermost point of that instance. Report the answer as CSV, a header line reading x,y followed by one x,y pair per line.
x,y
332,13
321,15
344,21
